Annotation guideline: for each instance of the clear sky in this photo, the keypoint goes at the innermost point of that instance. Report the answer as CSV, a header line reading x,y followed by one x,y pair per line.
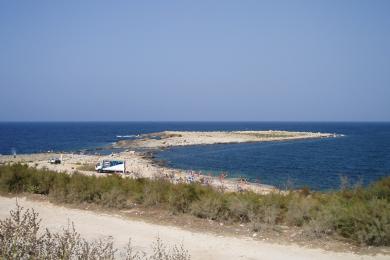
x,y
195,60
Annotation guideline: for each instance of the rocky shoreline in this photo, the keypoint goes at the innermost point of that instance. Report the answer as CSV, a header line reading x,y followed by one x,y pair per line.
x,y
140,162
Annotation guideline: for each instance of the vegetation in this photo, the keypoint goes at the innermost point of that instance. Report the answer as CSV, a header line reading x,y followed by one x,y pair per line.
x,y
359,215
86,167
21,238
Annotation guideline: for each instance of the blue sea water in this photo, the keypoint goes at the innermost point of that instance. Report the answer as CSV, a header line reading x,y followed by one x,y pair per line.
x,y
362,154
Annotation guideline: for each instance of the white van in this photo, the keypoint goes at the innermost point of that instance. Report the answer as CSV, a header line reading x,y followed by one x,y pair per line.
x,y
111,166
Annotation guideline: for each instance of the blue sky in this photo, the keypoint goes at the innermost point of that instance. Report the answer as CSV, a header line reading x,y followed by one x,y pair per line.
x,y
195,60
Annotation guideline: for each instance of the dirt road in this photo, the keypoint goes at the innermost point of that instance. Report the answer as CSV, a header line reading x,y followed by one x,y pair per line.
x,y
92,225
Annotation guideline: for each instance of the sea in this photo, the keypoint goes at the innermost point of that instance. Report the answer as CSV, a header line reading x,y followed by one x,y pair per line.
x,y
360,152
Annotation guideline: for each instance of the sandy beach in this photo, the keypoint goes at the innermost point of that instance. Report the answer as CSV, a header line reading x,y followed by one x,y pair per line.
x,y
138,165
92,225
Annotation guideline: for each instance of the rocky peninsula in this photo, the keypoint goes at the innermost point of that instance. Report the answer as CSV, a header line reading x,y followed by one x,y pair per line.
x,y
168,139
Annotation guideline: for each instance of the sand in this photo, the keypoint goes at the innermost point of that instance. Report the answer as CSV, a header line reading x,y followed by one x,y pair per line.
x,y
184,138
92,225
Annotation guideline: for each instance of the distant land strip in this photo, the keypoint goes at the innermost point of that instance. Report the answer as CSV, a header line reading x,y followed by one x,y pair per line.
x,y
167,139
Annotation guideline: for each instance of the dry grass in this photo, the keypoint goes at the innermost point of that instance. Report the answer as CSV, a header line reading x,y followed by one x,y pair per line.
x,y
86,167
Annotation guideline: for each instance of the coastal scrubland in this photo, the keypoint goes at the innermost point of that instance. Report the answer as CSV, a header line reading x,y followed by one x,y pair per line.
x,y
359,215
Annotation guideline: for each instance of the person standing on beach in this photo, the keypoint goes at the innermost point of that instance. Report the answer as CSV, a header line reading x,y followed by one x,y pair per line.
x,y
222,177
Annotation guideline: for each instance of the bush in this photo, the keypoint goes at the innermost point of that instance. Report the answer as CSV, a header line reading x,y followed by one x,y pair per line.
x,y
213,206
181,197
155,192
115,199
239,208
321,225
86,167
358,214
20,239
365,223
299,210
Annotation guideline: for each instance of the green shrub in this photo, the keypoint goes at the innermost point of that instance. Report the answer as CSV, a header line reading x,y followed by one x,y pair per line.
x,y
181,197
115,199
300,210
379,189
155,192
365,223
239,208
358,214
86,167
59,191
213,206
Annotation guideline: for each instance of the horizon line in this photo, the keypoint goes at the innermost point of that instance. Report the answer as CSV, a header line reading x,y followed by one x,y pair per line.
x,y
200,121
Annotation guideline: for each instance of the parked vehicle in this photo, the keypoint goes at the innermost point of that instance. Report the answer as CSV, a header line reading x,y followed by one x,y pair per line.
x,y
110,166
54,161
